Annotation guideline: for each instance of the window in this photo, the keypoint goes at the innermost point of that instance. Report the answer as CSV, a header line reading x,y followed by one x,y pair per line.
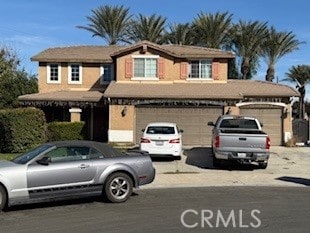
x,y
160,130
106,73
53,73
75,74
70,153
145,66
201,69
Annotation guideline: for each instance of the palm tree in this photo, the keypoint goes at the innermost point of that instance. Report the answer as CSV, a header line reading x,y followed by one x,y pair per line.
x,y
180,34
277,45
247,39
150,28
211,30
301,75
109,22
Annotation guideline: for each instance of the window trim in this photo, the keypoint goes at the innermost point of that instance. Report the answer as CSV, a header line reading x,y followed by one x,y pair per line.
x,y
145,57
200,78
102,73
48,73
70,81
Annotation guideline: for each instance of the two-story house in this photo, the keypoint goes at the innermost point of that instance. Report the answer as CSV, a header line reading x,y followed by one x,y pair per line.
x,y
117,90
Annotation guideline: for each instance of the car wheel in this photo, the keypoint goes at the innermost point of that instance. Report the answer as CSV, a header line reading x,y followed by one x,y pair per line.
x,y
263,165
3,198
118,187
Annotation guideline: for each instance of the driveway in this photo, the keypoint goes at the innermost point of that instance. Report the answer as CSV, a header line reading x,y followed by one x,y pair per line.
x,y
287,167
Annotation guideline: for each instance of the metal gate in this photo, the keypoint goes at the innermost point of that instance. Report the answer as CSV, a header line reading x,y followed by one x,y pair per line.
x,y
301,130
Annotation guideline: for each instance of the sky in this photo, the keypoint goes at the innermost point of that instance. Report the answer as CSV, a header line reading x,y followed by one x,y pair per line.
x,y
28,27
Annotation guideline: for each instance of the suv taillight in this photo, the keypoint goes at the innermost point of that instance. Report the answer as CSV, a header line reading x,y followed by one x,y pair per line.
x,y
145,140
268,142
177,140
217,142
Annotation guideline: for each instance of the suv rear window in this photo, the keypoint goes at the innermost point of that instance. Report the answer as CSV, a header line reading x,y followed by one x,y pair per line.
x,y
160,130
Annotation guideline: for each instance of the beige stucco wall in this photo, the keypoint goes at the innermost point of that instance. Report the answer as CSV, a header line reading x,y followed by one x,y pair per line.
x,y
90,78
119,121
172,68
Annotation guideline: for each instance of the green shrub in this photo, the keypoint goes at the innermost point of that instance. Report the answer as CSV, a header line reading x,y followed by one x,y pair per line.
x,y
60,131
21,129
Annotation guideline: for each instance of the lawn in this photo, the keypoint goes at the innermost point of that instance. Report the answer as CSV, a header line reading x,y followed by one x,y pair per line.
x,y
7,156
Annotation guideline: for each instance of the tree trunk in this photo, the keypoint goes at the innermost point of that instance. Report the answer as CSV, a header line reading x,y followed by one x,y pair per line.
x,y
270,73
245,68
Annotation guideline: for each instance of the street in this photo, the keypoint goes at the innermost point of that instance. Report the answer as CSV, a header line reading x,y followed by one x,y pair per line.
x,y
209,209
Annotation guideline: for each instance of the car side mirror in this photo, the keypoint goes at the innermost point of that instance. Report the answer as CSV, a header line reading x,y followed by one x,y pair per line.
x,y
142,130
181,131
211,123
44,161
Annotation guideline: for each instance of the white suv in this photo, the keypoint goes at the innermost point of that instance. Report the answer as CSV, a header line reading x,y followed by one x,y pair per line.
x,y
162,139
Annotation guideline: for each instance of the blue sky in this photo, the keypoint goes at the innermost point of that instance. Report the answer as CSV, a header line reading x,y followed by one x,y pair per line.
x,y
34,25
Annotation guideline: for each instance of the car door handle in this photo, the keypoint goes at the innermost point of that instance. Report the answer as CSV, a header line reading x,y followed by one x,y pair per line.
x,y
82,166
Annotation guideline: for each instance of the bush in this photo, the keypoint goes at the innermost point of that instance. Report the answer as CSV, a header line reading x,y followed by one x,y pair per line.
x,y
21,129
61,131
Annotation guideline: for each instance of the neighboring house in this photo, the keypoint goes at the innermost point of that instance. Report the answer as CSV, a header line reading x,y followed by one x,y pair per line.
x,y
117,90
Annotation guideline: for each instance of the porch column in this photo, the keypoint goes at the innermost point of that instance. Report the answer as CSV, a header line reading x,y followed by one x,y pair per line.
x,y
75,114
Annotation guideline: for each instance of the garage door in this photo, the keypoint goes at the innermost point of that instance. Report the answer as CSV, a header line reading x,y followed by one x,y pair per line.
x,y
192,120
271,119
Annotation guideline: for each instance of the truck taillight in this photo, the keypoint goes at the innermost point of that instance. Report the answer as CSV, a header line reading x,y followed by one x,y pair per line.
x,y
217,142
177,140
145,140
268,143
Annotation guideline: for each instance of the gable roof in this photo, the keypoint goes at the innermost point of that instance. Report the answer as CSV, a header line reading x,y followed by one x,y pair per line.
x,y
233,89
106,53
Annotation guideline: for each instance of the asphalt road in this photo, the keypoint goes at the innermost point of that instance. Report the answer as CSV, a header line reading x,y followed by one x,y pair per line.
x,y
212,209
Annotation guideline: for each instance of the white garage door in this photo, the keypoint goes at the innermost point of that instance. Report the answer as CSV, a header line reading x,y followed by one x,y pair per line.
x,y
271,119
192,120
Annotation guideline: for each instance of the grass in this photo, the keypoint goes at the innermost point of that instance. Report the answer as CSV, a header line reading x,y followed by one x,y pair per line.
x,y
7,156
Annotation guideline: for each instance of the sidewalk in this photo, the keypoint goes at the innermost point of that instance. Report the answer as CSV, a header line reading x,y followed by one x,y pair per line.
x,y
287,167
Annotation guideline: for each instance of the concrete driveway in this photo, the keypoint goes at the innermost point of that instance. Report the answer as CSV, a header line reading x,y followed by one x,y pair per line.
x,y
287,167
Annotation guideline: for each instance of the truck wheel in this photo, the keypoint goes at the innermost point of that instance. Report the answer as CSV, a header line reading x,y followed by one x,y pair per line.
x,y
263,165
216,162
3,198
118,187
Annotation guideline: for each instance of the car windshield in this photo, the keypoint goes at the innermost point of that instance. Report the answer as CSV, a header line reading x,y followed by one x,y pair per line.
x,y
160,130
239,124
25,158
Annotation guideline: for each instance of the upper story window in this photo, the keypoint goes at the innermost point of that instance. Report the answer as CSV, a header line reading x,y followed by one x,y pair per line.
x,y
106,73
145,67
53,73
75,73
201,69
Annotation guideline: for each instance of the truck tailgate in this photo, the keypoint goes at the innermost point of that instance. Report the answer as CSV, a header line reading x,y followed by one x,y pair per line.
x,y
246,141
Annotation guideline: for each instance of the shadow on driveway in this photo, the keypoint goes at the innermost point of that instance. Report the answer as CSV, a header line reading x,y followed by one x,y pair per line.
x,y
202,157
296,180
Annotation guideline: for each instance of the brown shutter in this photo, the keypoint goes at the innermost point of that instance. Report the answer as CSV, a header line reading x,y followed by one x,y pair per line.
x,y
184,67
128,68
215,70
161,68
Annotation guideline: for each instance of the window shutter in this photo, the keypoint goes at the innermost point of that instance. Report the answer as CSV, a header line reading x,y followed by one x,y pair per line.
x,y
161,68
184,67
215,70
128,68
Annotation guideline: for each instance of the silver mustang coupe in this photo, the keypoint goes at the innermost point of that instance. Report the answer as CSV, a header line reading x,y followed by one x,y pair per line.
x,y
68,169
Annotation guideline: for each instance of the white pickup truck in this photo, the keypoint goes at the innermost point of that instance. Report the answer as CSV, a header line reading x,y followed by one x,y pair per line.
x,y
239,138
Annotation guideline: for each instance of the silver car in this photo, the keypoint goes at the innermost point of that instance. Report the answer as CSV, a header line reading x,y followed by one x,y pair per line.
x,y
68,169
